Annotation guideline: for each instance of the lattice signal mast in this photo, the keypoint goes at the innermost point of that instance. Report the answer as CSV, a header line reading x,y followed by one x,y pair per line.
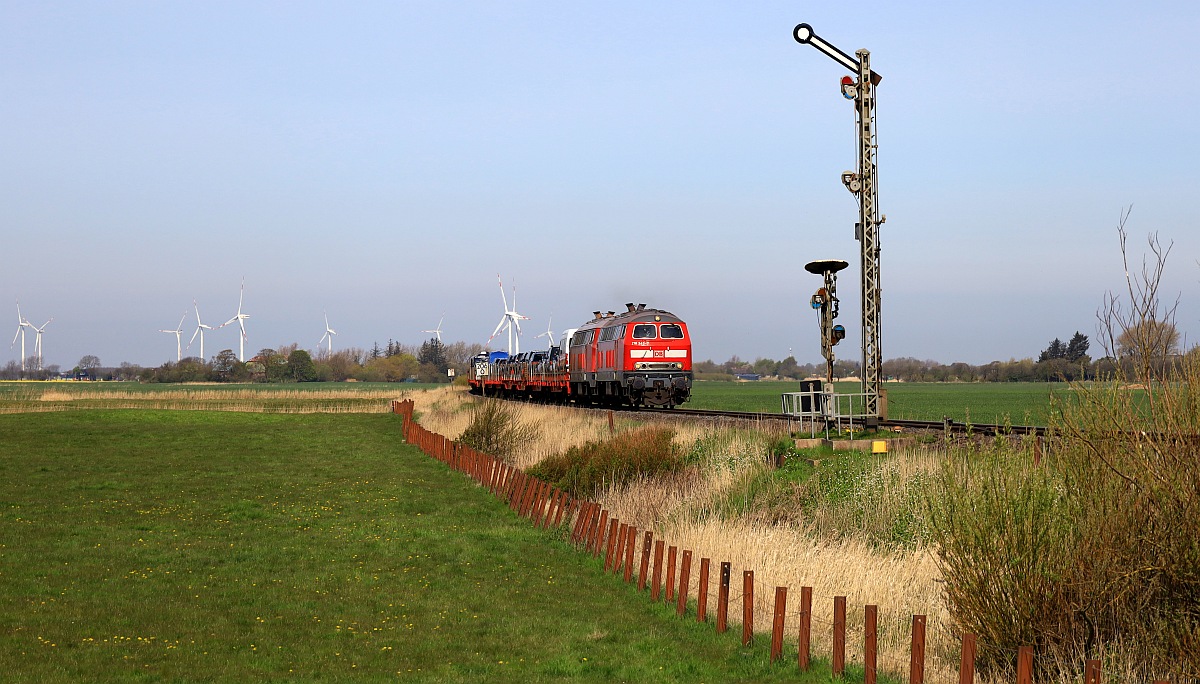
x,y
863,184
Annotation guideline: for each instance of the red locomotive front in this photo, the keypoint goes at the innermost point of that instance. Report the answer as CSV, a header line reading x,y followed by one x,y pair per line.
x,y
641,357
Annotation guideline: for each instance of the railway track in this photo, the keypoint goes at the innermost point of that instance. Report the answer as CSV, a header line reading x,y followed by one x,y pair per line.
x,y
946,425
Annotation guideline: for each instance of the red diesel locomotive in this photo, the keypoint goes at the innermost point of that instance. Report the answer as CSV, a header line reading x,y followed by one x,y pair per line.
x,y
642,357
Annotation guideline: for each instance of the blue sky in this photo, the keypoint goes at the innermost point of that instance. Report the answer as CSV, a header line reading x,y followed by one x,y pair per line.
x,y
385,161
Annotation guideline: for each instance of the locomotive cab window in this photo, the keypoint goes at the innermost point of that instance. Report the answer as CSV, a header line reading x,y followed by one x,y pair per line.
x,y
644,331
671,331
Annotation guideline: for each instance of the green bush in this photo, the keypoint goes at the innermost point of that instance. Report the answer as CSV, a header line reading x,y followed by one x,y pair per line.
x,y
1097,550
585,470
1006,536
496,429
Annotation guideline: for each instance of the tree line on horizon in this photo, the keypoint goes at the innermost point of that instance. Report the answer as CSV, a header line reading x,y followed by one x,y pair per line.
x,y
431,361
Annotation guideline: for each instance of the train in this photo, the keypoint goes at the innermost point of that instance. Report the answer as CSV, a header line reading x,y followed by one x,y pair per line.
x,y
640,357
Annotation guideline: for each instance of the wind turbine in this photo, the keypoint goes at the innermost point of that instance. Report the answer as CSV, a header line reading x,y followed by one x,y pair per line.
x,y
200,328
240,317
438,330
549,334
21,325
178,333
509,320
37,343
329,333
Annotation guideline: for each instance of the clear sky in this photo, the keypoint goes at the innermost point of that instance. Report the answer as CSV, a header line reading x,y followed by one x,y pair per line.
x,y
384,161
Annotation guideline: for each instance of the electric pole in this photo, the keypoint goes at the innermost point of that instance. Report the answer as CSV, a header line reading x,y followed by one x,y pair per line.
x,y
863,185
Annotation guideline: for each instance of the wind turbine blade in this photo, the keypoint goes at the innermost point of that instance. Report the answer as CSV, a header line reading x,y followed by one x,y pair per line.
x,y
20,329
499,327
193,337
502,297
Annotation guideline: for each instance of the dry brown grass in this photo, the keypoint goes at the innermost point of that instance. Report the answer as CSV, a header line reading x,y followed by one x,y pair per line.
x,y
444,410
901,582
62,397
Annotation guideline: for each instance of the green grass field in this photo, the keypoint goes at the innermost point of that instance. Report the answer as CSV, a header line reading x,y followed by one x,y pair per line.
x,y
980,403
214,546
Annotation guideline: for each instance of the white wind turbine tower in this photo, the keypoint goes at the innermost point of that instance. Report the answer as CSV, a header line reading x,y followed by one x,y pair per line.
x,y
549,334
178,333
37,343
240,317
21,325
510,320
329,333
200,328
438,330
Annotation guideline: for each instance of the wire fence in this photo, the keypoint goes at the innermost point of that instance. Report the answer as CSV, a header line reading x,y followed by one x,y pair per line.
x,y
665,570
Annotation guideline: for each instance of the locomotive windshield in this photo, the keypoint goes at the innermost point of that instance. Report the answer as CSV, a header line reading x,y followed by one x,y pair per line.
x,y
671,331
644,331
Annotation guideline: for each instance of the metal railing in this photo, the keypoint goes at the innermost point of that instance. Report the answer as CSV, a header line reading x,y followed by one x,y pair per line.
x,y
827,411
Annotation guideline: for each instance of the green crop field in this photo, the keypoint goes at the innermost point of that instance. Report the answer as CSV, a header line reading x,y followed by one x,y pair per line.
x,y
214,546
980,403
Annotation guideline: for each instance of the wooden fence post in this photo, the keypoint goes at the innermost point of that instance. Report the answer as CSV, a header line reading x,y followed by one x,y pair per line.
x,y
685,570
611,542
555,512
702,593
777,623
966,664
870,643
518,489
622,542
747,607
531,494
578,524
723,599
1091,672
671,551
645,563
598,535
1025,665
916,665
543,517
805,638
656,580
630,542
541,501
564,507
839,636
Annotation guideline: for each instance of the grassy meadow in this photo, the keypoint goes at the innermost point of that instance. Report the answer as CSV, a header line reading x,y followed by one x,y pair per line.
x,y
160,545
38,397
981,403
